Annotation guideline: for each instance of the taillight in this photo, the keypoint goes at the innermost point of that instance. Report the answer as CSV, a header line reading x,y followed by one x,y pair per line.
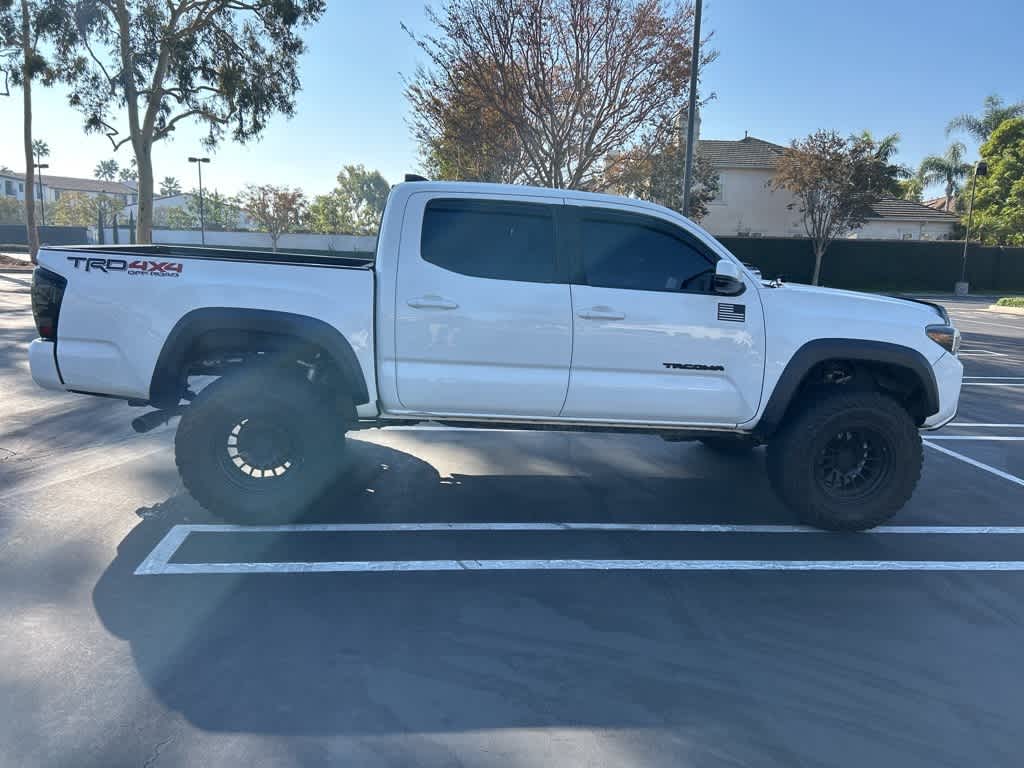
x,y
47,294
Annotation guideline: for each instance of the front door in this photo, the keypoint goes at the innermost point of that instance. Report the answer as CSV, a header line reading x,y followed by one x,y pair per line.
x,y
652,341
483,312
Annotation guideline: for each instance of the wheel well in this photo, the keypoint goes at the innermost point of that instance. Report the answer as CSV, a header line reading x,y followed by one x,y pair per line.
x,y
201,344
896,381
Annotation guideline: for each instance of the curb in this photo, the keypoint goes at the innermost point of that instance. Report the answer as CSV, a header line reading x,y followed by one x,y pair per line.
x,y
1007,310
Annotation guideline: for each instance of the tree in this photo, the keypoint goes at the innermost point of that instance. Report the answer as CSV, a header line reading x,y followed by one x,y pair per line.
x,y
277,209
658,178
40,149
129,173
834,181
573,80
893,174
994,112
948,169
11,211
230,64
355,205
219,213
999,197
27,28
911,188
169,186
106,170
78,209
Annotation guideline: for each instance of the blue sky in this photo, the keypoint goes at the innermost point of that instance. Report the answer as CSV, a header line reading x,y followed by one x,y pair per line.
x,y
786,68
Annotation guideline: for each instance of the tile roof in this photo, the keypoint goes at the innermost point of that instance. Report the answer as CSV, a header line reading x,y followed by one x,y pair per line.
x,y
894,208
73,184
748,152
939,203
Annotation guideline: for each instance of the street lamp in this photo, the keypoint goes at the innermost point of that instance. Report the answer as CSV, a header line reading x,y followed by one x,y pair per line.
x,y
42,200
202,218
980,169
691,110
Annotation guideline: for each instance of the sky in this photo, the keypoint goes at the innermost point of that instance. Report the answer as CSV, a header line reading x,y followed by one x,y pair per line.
x,y
785,68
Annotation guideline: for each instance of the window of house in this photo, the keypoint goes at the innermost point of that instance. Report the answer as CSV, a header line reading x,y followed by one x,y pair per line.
x,y
496,240
9,187
641,253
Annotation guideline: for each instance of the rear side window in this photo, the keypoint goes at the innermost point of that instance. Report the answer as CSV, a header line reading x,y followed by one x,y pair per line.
x,y
641,253
497,240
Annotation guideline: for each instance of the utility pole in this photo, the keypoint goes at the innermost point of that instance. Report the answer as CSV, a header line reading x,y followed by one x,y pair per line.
x,y
980,169
691,115
202,217
42,197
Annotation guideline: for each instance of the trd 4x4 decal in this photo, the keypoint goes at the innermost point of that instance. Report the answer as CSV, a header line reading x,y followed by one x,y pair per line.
x,y
136,267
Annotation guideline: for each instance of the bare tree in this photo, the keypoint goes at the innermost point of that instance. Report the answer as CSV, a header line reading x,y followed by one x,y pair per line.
x,y
574,80
277,209
230,64
834,181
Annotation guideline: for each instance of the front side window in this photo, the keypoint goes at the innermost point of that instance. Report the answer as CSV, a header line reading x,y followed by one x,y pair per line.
x,y
496,240
641,253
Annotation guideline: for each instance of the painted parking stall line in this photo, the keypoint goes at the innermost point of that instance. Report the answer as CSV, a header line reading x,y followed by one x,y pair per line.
x,y
159,560
975,463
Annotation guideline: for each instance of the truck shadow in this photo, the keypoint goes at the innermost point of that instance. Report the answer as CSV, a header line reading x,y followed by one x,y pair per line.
x,y
375,653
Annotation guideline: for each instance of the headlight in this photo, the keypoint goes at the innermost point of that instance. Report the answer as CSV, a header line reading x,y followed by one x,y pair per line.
x,y
946,336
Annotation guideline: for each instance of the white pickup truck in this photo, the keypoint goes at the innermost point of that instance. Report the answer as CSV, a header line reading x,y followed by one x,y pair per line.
x,y
506,306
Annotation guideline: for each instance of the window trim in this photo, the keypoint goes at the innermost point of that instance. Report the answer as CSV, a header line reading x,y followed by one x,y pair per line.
x,y
577,213
553,210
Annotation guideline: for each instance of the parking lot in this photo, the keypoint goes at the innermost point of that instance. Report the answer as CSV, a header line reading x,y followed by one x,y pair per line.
x,y
479,597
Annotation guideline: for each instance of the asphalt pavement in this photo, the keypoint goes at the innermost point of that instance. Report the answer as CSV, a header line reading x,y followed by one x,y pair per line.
x,y
134,630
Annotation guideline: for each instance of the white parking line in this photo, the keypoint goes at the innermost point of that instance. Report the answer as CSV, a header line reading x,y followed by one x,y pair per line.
x,y
975,463
158,561
378,566
993,378
993,384
984,424
1013,438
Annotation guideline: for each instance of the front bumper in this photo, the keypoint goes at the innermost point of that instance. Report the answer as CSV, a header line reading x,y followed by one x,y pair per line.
x,y
42,360
949,374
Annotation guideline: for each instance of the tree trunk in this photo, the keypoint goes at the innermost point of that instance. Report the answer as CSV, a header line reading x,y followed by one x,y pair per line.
x,y
144,224
30,165
949,196
819,251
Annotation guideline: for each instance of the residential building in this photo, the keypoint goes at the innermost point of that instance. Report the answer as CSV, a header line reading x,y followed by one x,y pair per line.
x,y
12,184
746,204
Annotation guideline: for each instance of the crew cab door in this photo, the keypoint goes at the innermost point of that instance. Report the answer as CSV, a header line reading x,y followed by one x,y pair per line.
x,y
652,341
482,307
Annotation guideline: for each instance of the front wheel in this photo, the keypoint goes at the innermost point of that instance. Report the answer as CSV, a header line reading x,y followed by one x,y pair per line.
x,y
255,447
847,462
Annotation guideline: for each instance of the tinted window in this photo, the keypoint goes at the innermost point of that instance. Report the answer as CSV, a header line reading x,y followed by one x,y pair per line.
x,y
503,241
642,254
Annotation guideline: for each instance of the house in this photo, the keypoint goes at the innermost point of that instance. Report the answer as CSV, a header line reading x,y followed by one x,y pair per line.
x,y
12,184
163,205
746,204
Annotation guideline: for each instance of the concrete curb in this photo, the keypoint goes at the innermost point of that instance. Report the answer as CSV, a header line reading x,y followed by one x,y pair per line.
x,y
1007,310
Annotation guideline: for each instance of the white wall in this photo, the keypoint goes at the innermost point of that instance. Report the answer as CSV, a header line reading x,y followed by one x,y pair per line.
x,y
257,241
747,204
903,230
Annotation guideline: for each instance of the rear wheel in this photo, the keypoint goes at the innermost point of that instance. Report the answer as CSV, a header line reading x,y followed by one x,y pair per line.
x,y
847,462
255,447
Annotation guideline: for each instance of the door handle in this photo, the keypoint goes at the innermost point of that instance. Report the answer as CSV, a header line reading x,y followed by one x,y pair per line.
x,y
432,302
600,313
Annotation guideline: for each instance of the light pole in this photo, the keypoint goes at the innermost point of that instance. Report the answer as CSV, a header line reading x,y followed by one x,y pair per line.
x,y
980,169
691,115
42,197
202,218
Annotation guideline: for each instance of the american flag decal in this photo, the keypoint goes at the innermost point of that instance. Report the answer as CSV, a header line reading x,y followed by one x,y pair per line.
x,y
736,313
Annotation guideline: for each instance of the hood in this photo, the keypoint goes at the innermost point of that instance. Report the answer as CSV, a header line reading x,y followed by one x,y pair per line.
x,y
926,309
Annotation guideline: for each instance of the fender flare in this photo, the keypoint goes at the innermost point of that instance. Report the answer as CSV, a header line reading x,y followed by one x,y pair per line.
x,y
166,380
819,350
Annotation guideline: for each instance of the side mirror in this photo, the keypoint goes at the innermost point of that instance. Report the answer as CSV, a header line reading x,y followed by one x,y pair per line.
x,y
727,279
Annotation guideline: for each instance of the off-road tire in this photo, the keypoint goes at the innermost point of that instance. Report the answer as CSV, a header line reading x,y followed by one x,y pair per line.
x,y
261,420
729,445
865,436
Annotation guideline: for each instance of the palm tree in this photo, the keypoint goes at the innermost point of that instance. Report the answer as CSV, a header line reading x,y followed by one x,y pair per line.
x,y
40,149
993,114
169,186
105,170
884,151
949,169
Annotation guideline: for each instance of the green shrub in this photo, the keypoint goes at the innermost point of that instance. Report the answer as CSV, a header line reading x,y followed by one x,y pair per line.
x,y
1011,301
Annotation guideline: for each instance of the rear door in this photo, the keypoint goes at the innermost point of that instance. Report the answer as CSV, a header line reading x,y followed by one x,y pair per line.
x,y
482,307
653,342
